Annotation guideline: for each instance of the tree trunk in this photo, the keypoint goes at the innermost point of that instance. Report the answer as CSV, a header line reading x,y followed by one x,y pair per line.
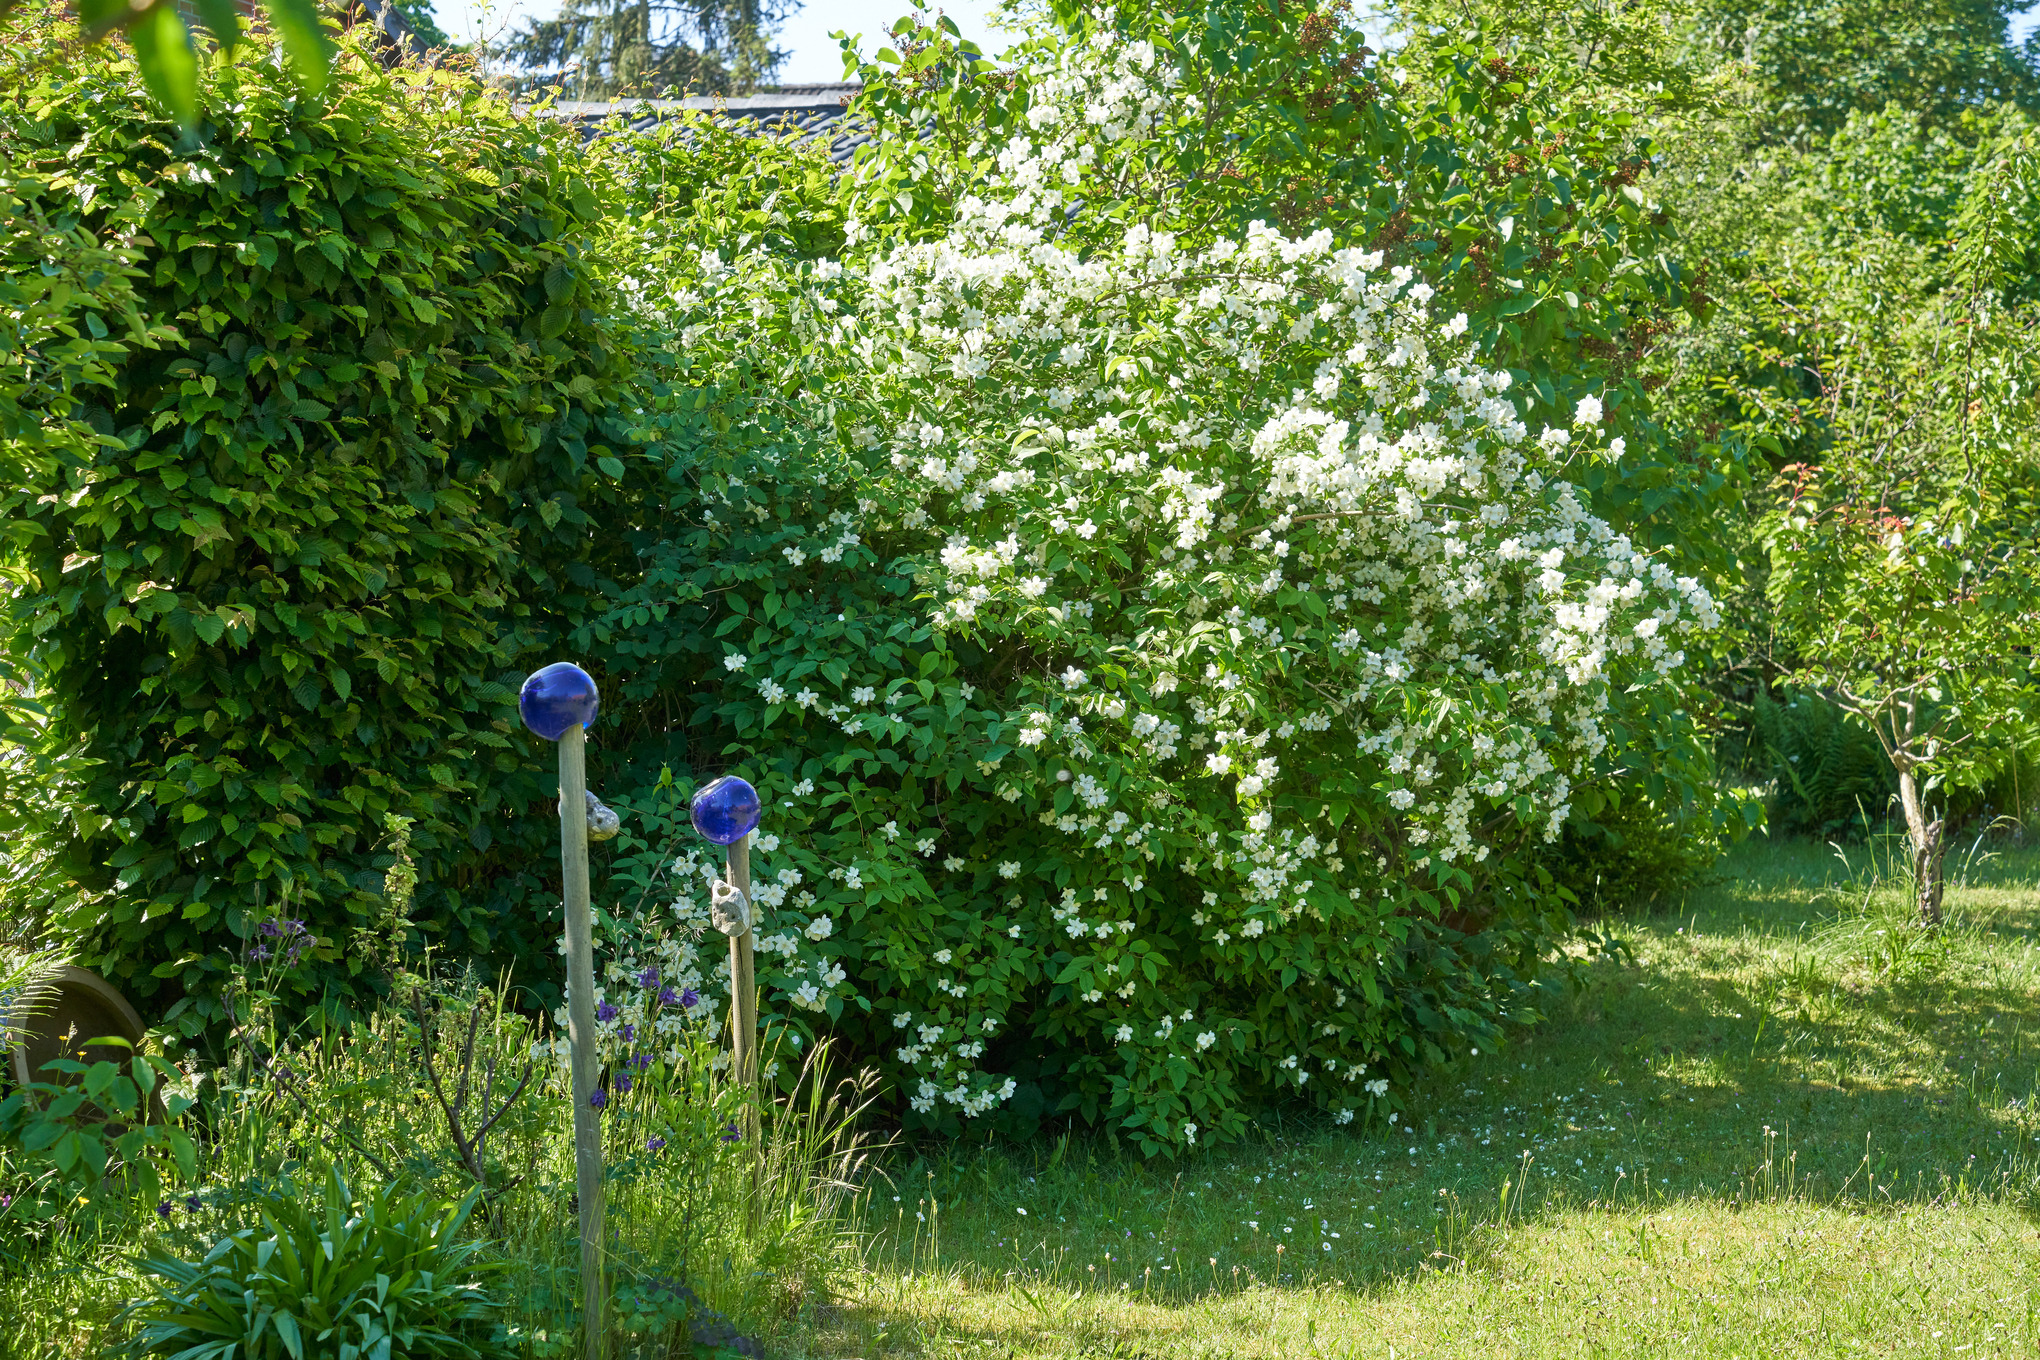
x,y
1928,844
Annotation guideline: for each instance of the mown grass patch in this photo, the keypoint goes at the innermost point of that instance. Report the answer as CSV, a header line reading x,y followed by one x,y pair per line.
x,y
1780,1121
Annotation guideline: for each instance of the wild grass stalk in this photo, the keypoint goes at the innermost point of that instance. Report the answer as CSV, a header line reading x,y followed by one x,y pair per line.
x,y
430,1096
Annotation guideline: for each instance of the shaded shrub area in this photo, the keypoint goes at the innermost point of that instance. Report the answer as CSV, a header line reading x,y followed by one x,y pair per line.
x,y
1829,775
1633,855
1830,778
328,517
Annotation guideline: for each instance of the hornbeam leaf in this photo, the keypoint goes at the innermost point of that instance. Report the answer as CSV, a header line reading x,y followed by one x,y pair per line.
x,y
96,14
223,17
304,39
169,66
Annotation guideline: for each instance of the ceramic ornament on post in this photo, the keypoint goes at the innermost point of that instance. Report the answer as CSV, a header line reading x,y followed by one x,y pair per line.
x,y
558,703
726,812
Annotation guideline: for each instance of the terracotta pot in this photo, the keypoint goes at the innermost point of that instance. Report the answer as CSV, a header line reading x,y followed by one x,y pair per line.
x,y
55,1017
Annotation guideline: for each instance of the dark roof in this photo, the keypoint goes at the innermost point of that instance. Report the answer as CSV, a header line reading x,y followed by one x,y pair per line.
x,y
806,112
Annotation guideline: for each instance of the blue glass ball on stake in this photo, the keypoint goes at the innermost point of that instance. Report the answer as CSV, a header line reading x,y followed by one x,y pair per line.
x,y
725,810
557,697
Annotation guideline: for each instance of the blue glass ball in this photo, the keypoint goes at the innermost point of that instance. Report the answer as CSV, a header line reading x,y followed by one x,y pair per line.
x,y
557,697
725,810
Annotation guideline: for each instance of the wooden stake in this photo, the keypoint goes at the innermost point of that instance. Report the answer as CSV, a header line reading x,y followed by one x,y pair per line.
x,y
581,1031
743,974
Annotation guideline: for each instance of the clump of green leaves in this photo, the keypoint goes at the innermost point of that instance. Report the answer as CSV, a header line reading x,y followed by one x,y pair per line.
x,y
338,1274
167,59
287,587
1814,62
86,1121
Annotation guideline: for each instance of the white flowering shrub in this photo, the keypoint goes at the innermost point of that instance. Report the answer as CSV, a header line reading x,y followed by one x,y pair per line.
x,y
1158,661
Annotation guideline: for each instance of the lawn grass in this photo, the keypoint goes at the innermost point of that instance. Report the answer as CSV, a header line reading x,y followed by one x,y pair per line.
x,y
1780,1121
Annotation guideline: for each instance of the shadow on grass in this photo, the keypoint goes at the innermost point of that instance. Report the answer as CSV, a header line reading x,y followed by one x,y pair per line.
x,y
1786,1035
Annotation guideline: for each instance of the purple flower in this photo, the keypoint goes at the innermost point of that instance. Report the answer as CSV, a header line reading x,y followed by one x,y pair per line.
x,y
648,979
605,1012
629,1033
597,1099
654,1143
729,1133
689,999
668,997
192,1204
163,1209
641,1061
623,1083
295,938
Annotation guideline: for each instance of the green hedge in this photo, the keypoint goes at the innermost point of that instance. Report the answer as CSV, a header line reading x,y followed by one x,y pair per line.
x,y
330,515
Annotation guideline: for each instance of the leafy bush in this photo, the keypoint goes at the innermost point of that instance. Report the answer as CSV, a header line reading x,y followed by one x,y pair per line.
x,y
289,586
1161,661
1829,777
867,493
1632,854
336,1274
1813,62
67,292
1285,115
80,1122
1829,774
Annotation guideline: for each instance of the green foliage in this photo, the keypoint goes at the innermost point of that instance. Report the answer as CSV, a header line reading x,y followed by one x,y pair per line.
x,y
334,1274
1828,774
1901,565
82,1123
450,1091
1889,170
712,1240
1511,155
669,1316
68,294
1814,62
165,56
912,887
1514,183
713,179
289,587
67,291
1634,854
621,49
1847,209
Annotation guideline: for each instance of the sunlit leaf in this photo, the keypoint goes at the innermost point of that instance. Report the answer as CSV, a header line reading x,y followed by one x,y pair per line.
x,y
304,39
169,66
223,17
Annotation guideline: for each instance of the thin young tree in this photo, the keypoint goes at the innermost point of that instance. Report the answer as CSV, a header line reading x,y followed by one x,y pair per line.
x,y
1904,578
